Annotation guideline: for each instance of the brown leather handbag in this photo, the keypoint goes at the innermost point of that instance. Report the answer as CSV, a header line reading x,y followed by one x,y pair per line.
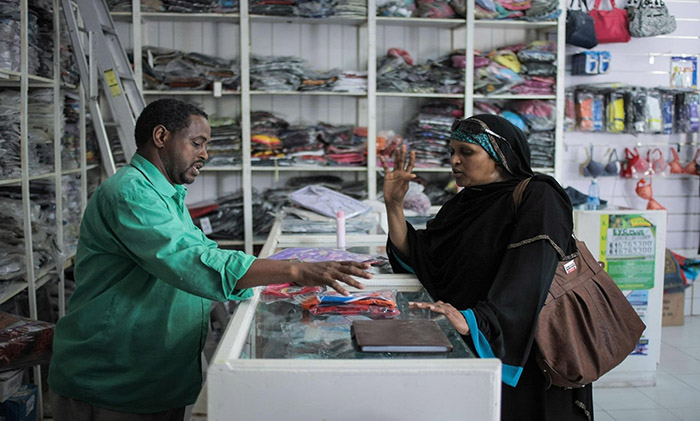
x,y
586,327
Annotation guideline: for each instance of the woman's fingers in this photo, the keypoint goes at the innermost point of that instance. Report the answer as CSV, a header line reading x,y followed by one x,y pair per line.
x,y
384,164
400,158
411,161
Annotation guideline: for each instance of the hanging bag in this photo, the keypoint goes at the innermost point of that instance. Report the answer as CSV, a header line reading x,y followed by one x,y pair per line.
x,y
580,28
649,18
610,25
586,326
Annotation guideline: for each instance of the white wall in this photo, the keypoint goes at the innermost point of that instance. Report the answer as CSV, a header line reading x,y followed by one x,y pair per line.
x,y
631,65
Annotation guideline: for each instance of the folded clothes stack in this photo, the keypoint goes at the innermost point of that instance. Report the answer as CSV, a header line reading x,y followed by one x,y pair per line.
x,y
518,69
428,133
225,145
531,10
396,72
173,69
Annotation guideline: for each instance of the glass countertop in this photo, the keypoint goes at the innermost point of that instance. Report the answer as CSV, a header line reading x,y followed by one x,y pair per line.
x,y
282,329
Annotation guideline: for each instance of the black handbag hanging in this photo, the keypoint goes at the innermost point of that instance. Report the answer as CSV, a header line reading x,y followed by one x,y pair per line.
x,y
580,28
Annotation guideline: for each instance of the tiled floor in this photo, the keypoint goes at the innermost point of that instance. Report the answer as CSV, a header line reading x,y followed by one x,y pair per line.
x,y
676,395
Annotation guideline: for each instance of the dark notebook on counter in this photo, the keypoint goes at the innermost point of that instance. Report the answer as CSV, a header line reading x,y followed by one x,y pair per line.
x,y
399,336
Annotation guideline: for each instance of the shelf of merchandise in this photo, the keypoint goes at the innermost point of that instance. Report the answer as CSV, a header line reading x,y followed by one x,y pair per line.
x,y
222,168
310,93
300,168
14,181
434,22
169,17
463,30
419,95
432,169
552,30
509,97
331,20
23,81
515,24
188,93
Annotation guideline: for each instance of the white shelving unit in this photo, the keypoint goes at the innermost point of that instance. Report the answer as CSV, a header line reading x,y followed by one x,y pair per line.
x,y
468,33
25,82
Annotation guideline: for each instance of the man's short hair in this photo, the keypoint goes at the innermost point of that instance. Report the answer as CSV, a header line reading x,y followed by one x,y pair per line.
x,y
171,113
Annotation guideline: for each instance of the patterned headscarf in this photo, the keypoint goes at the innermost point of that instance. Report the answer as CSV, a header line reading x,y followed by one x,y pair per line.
x,y
481,139
513,154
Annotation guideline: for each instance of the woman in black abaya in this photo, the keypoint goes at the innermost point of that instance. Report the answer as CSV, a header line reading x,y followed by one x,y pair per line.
x,y
489,266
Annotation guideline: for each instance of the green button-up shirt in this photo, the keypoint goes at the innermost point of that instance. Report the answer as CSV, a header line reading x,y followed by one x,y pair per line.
x,y
145,278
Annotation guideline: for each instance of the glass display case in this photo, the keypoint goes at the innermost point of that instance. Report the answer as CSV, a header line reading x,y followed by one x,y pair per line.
x,y
278,361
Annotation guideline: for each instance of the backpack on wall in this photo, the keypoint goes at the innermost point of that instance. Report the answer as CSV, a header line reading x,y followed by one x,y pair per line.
x,y
586,326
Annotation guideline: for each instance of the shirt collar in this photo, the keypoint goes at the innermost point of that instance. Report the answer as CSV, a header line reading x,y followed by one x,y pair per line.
x,y
157,178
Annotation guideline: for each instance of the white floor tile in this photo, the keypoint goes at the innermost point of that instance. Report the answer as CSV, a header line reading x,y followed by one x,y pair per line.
x,y
687,414
693,351
659,414
676,395
692,380
672,353
602,416
682,364
670,392
622,398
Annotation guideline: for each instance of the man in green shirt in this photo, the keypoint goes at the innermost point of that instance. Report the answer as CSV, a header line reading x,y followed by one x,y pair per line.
x,y
130,346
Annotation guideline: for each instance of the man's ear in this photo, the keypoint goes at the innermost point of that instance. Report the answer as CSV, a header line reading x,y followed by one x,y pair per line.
x,y
160,136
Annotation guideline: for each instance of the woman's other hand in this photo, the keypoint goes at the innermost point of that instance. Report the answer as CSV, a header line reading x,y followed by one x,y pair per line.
x,y
453,315
396,180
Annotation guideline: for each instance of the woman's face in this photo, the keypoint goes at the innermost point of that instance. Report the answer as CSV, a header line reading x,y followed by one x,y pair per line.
x,y
472,165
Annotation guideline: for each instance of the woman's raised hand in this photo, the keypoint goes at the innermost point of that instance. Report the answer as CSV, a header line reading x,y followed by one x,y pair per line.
x,y
396,180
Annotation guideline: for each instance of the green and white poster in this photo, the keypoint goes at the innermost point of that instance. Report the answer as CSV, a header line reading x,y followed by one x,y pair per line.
x,y
627,245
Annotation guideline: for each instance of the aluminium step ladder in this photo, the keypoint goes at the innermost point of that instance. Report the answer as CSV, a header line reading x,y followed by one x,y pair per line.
x,y
107,59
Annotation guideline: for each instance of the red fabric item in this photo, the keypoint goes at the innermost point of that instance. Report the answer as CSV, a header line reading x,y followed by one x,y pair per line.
x,y
200,209
610,25
398,52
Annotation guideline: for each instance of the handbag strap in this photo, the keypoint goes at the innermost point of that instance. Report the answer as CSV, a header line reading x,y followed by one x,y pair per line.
x,y
518,198
518,192
597,4
582,4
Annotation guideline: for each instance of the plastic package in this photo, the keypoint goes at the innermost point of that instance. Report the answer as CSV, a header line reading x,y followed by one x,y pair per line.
x,y
637,111
687,118
538,114
598,111
654,112
374,304
289,290
327,202
615,112
516,120
312,254
416,200
667,110
569,112
584,111
24,342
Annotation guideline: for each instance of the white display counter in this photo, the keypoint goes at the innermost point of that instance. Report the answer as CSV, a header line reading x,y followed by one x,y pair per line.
x,y
632,243
276,362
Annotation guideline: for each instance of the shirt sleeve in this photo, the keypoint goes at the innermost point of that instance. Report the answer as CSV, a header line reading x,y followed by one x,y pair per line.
x,y
155,238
